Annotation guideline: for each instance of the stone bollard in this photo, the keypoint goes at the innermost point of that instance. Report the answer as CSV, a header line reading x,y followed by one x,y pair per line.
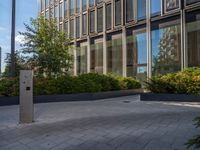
x,y
26,96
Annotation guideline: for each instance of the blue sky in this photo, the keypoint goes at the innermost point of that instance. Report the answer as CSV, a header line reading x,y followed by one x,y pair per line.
x,y
24,10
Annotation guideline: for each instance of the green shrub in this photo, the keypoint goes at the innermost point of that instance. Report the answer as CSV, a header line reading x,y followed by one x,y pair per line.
x,y
187,81
195,141
91,82
9,87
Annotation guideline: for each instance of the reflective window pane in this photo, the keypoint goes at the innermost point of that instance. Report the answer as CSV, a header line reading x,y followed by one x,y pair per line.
x,y
92,21
193,38
114,55
166,47
91,3
77,6
137,55
108,16
72,7
141,9
117,12
188,2
81,59
155,7
84,5
171,4
60,12
100,19
96,57
77,27
47,3
71,34
66,8
84,24
129,10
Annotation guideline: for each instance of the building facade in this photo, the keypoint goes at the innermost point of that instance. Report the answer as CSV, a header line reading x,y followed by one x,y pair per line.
x,y
138,38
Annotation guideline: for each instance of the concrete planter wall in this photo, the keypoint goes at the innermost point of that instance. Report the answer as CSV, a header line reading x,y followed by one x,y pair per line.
x,y
169,97
70,97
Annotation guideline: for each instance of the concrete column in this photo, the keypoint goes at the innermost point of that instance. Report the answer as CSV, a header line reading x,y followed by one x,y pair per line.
x,y
104,41
26,96
148,30
124,49
88,54
184,58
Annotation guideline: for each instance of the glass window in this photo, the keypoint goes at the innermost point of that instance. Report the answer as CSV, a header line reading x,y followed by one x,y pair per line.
x,y
100,19
98,1
117,12
66,8
96,57
141,9
51,2
66,28
56,13
193,38
166,47
171,4
108,16
137,55
81,59
60,12
47,14
84,5
129,10
51,12
47,3
92,21
91,3
155,7
188,2
77,27
84,24
71,7
42,5
71,34
114,55
60,27
77,6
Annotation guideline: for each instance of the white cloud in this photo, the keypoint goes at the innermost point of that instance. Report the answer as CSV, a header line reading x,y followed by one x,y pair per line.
x,y
20,39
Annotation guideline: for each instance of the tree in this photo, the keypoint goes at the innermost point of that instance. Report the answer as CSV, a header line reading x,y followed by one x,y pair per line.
x,y
19,61
47,49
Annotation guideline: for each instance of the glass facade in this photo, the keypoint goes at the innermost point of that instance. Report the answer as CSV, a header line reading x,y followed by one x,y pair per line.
x,y
81,58
155,7
96,57
137,54
193,39
123,46
141,9
166,47
114,55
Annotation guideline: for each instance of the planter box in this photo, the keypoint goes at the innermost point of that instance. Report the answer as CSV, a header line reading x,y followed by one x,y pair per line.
x,y
71,97
169,97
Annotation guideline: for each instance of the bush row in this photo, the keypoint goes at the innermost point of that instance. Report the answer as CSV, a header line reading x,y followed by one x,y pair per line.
x,y
71,84
183,82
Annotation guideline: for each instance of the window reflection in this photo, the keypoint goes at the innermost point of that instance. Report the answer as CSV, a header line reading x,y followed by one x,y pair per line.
x,y
155,7
81,53
96,57
193,39
141,9
137,55
114,55
166,47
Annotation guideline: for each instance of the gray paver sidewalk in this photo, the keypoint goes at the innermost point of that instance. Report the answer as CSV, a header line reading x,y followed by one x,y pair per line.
x,y
122,123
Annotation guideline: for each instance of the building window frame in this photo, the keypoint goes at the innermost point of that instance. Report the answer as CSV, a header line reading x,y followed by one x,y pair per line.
x,y
134,12
164,10
114,13
193,5
111,13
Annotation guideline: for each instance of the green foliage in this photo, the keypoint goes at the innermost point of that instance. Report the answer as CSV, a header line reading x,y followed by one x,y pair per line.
x,y
47,49
84,83
187,81
9,87
195,141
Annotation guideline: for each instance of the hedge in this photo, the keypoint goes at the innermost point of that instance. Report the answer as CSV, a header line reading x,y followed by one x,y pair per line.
x,y
183,82
84,83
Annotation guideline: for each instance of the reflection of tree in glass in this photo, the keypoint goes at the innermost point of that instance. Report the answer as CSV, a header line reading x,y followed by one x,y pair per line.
x,y
172,4
168,50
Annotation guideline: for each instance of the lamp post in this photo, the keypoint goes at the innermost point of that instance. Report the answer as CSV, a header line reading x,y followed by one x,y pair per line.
x,y
12,69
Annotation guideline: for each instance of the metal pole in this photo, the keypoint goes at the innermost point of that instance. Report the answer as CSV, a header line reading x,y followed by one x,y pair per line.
x,y
12,69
